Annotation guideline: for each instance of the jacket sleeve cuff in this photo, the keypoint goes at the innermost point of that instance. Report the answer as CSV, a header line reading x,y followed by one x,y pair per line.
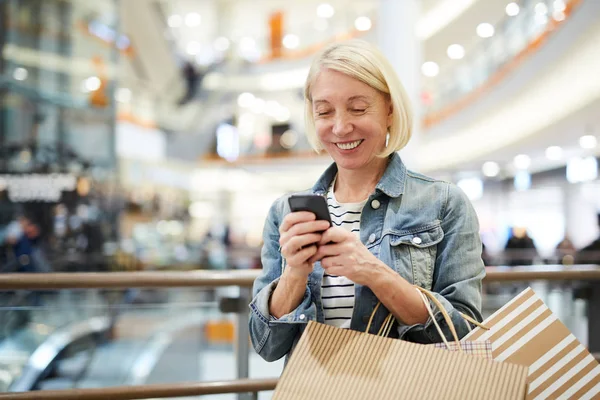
x,y
427,333
305,311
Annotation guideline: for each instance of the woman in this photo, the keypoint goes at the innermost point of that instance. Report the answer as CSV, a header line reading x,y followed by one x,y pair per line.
x,y
392,228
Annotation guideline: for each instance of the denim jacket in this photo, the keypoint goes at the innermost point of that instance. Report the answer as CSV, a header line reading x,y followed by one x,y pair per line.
x,y
425,230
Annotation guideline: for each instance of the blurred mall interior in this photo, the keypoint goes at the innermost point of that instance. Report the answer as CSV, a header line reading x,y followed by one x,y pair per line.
x,y
154,135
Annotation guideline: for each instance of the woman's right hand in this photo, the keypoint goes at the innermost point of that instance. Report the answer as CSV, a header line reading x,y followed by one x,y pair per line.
x,y
299,234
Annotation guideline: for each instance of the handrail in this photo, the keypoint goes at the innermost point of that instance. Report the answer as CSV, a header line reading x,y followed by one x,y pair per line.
x,y
245,278
149,391
153,279
543,273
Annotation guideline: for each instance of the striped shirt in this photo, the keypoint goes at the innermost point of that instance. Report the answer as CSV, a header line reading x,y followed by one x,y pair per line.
x,y
337,292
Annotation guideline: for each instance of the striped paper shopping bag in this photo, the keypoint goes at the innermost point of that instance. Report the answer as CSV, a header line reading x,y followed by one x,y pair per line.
x,y
526,332
330,363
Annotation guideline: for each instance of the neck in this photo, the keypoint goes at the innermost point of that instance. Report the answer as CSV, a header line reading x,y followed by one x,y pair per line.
x,y
352,186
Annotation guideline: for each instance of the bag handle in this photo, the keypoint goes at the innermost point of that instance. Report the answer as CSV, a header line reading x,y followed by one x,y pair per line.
x,y
425,294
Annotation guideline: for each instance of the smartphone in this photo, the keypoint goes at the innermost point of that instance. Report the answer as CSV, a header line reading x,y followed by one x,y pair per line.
x,y
314,203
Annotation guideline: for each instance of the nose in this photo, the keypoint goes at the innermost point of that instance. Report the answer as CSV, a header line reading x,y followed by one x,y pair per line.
x,y
342,125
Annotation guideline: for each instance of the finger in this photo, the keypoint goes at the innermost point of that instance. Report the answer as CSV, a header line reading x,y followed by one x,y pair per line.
x,y
334,267
328,250
302,228
302,256
293,218
335,235
297,242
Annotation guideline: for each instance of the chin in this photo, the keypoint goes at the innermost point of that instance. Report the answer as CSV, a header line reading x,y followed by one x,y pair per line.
x,y
343,162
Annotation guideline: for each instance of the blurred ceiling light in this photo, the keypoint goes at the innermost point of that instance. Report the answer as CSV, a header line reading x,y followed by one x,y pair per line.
x,y
205,56
271,107
512,9
554,153
193,48
258,106
541,8
92,83
288,139
485,30
175,21
559,6
321,24
200,210
363,24
221,43
456,51
246,124
193,19
473,187
245,100
559,16
291,41
430,69
541,19
490,169
588,142
20,74
325,10
247,44
582,169
522,181
248,49
522,161
283,114
123,42
123,95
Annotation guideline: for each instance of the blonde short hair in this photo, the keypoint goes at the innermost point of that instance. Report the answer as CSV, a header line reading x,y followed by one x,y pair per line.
x,y
363,61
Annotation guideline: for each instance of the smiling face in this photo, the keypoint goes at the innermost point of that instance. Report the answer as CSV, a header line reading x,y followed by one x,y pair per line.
x,y
351,119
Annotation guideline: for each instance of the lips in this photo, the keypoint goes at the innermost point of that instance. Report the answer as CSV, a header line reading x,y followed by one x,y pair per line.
x,y
349,145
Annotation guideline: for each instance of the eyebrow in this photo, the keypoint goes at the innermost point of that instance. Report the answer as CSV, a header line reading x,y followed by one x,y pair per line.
x,y
358,97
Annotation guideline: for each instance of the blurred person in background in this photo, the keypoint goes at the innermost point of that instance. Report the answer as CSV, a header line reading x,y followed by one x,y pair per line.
x,y
520,248
392,228
25,253
565,251
590,254
191,77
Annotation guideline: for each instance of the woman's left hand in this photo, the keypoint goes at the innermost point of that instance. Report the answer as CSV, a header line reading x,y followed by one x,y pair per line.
x,y
342,254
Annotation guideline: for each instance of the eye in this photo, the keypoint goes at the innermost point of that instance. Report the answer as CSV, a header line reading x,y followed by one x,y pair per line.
x,y
359,110
322,113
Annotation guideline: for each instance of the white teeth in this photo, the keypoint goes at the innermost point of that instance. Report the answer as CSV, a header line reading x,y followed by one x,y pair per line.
x,y
348,146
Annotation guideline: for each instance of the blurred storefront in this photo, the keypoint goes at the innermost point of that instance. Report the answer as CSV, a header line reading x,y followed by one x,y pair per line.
x,y
58,167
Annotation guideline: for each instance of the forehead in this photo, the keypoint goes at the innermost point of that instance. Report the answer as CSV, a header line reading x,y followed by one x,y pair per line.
x,y
331,86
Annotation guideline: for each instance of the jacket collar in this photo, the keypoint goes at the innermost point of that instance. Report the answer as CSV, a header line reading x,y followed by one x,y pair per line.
x,y
391,183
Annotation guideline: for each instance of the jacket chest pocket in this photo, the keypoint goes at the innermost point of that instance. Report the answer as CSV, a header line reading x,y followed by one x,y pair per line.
x,y
414,253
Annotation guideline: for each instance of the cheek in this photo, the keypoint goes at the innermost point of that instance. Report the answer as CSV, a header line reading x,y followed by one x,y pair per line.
x,y
322,128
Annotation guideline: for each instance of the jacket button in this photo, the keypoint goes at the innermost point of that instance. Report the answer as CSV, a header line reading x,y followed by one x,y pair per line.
x,y
372,238
417,240
375,204
302,317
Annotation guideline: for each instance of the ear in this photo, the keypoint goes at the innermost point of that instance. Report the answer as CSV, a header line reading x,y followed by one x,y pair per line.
x,y
390,116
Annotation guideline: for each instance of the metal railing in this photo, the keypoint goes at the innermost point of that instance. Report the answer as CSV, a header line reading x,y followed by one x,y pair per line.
x,y
211,279
149,391
245,278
